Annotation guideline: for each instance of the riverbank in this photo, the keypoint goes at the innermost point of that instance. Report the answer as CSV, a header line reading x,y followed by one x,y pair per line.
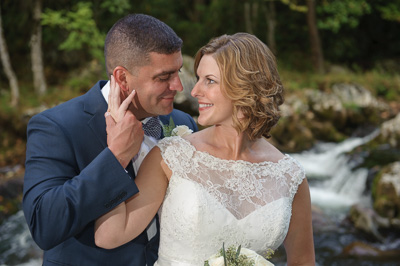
x,y
334,194
321,110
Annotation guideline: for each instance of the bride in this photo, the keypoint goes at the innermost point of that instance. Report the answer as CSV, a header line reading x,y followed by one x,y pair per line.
x,y
226,183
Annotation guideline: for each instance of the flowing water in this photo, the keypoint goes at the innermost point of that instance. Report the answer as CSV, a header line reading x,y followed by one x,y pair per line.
x,y
16,244
334,187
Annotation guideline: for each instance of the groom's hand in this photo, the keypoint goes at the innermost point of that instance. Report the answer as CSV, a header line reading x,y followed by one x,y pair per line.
x,y
124,131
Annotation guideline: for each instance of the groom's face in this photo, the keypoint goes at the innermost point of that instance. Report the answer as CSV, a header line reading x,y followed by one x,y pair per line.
x,y
156,85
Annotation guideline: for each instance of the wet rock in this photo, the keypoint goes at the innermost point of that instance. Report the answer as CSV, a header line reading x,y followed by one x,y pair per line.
x,y
355,94
386,191
11,185
368,221
347,107
390,132
361,249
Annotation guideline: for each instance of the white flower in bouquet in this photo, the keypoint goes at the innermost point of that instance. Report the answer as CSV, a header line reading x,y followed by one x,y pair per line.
x,y
239,257
181,131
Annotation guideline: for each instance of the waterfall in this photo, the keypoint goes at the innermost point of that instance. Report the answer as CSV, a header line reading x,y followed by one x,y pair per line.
x,y
334,185
333,182
16,244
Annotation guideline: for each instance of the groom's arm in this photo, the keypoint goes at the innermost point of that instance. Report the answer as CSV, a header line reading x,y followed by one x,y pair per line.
x,y
60,199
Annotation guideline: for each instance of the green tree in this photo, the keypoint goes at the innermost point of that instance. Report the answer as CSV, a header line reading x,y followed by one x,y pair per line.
x,y
335,14
81,27
390,10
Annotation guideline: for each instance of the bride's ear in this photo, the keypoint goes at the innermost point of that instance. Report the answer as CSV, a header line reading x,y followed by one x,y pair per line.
x,y
120,74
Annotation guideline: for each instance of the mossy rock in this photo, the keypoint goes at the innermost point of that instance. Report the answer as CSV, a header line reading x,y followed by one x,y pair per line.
x,y
386,191
291,135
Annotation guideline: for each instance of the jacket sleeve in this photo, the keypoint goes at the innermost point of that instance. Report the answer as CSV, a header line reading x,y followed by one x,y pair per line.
x,y
63,193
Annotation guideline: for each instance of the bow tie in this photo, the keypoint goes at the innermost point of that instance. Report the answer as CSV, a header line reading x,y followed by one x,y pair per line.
x,y
152,128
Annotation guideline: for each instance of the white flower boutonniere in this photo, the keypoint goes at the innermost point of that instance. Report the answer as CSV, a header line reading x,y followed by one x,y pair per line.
x,y
239,256
172,130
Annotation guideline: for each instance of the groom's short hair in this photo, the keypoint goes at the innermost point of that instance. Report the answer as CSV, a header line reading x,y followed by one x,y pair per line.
x,y
131,39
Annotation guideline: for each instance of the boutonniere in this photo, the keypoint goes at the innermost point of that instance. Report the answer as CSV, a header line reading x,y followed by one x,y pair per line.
x,y
171,130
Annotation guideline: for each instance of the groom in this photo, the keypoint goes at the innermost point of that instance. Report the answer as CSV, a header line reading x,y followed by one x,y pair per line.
x,y
76,170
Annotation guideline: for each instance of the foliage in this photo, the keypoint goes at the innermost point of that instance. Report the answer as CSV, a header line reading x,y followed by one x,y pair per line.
x,y
116,6
360,35
390,11
293,5
335,14
81,28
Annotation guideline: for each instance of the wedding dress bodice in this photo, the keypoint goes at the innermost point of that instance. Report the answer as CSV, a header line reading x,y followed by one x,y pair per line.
x,y
211,201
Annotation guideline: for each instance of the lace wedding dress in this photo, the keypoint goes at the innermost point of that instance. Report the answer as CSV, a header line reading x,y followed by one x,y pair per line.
x,y
210,201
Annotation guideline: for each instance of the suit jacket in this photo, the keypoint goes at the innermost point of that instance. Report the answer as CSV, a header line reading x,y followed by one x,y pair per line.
x,y
72,178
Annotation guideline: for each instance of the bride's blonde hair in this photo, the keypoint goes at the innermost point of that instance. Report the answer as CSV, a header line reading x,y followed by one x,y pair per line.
x,y
250,78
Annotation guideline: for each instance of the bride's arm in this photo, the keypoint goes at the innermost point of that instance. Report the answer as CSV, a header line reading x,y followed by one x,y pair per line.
x,y
130,218
299,243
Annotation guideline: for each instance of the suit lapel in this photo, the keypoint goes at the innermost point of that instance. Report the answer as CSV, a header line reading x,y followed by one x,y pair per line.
x,y
96,105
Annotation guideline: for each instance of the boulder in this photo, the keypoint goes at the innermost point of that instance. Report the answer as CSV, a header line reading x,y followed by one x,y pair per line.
x,y
390,132
386,192
367,220
366,250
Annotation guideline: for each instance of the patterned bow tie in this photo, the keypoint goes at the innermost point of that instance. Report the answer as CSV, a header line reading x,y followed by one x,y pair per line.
x,y
152,128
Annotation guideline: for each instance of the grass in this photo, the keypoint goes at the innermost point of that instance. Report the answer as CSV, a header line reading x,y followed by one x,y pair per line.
x,y
381,84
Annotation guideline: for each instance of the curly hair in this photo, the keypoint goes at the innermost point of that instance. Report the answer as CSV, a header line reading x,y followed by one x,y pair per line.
x,y
131,39
250,79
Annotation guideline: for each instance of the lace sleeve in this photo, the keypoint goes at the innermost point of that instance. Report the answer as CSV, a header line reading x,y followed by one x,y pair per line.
x,y
296,173
176,153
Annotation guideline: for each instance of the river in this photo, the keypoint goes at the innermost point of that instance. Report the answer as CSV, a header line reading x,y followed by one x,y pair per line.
x,y
334,187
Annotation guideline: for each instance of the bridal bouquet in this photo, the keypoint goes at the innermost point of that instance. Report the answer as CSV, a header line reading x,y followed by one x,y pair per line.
x,y
238,257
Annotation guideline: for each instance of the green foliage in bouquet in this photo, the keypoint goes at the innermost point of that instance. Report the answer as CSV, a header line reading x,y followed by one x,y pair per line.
x,y
232,257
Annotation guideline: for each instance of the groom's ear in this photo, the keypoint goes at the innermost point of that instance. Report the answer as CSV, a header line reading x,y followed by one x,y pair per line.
x,y
121,77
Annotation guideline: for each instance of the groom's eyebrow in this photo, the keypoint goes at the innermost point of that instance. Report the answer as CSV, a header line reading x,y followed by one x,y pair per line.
x,y
166,72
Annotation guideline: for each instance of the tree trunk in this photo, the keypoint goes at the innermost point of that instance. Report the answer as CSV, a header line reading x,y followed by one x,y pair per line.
x,y
5,60
316,50
270,16
39,81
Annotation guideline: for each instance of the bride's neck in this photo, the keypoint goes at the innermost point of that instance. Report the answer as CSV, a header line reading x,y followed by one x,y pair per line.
x,y
230,142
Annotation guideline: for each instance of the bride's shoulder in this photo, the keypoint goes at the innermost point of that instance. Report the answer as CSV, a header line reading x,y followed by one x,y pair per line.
x,y
268,151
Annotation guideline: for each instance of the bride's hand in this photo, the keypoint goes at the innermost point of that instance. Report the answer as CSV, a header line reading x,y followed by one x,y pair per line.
x,y
115,107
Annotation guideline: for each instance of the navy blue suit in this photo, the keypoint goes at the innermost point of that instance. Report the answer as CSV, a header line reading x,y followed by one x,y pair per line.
x,y
72,178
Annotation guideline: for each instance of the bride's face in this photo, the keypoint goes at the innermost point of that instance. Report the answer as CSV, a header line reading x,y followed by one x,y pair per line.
x,y
214,107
